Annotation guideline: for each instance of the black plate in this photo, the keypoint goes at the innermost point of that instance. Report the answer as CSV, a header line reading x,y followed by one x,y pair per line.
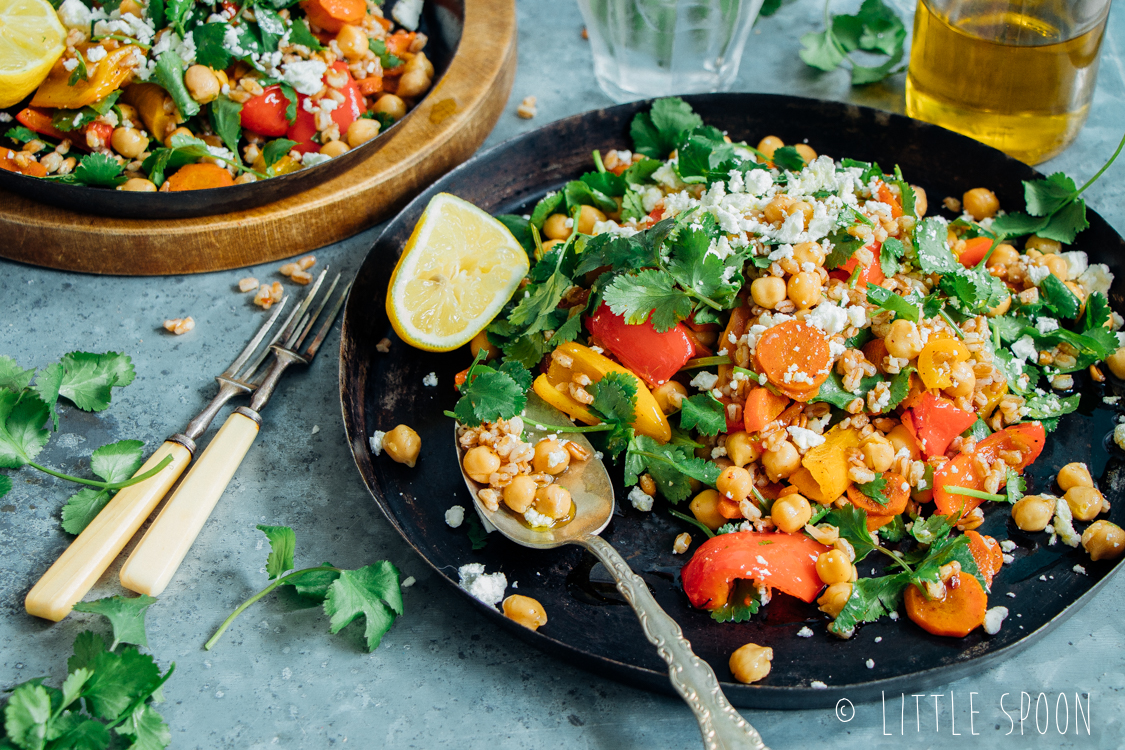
x,y
441,21
589,623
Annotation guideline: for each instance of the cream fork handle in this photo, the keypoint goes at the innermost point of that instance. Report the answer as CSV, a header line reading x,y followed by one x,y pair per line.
x,y
163,547
88,556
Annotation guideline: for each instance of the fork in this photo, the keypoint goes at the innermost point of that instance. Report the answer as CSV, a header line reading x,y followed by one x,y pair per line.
x,y
156,558
88,556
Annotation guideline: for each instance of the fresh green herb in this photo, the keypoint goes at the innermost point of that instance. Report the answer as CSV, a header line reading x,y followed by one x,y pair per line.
x,y
114,463
888,300
741,605
875,29
126,616
852,525
672,467
176,13
658,132
386,59
694,522
79,73
274,151
372,591
893,531
290,95
876,489
184,149
832,390
1057,298
788,158
615,402
98,170
489,394
169,74
890,254
226,121
871,598
478,537
1014,487
209,47
703,412
301,35
20,134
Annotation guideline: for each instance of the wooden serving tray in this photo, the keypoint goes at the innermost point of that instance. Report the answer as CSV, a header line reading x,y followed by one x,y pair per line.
x,y
446,128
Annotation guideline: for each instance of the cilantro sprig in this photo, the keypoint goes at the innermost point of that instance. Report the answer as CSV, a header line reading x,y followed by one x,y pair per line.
x,y
372,591
876,29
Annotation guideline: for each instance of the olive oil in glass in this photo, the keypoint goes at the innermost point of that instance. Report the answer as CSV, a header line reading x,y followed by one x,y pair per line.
x,y
1018,76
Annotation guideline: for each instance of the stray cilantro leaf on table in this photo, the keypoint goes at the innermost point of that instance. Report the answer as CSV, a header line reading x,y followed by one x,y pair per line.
x,y
114,463
876,30
125,614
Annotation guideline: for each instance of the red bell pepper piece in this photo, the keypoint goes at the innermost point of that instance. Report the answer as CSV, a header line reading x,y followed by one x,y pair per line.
x,y
652,355
39,121
264,114
974,251
786,562
886,196
962,471
871,274
304,128
934,421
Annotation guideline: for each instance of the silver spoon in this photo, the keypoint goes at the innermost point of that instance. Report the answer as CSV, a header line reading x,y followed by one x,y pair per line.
x,y
589,486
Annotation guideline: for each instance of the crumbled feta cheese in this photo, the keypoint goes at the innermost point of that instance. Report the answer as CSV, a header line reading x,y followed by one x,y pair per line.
x,y
666,175
74,15
1079,570
805,632
781,252
487,587
818,685
1096,278
1011,595
312,158
893,615
1063,524
804,438
1111,400
1119,436
1008,559
95,54
757,181
70,63
1007,545
870,663
1036,274
535,518
828,317
878,639
410,581
1076,264
430,380
376,442
993,618
857,316
1024,349
650,198
305,75
1045,325
407,13
640,499
704,380
718,451
455,516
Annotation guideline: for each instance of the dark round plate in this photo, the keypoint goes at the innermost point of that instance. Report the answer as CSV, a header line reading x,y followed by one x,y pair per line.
x,y
589,623
441,21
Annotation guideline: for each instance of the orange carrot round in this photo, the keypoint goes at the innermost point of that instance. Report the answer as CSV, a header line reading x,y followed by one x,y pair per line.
x,y
794,356
200,176
762,407
956,614
986,552
897,494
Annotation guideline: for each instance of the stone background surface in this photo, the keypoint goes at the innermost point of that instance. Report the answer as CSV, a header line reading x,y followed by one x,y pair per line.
x,y
443,677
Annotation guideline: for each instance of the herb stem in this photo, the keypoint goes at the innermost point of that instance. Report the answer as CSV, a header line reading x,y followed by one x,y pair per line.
x,y
600,427
692,520
695,364
956,328
598,161
106,485
895,556
975,493
1099,173
242,607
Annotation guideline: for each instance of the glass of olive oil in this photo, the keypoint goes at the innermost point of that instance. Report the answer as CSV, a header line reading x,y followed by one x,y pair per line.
x,y
1017,75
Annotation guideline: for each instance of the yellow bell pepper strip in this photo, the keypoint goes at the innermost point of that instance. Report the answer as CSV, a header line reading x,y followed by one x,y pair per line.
x,y
104,77
284,165
823,475
148,99
585,361
935,363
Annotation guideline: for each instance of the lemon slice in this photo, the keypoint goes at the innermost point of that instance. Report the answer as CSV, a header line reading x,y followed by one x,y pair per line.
x,y
31,40
458,270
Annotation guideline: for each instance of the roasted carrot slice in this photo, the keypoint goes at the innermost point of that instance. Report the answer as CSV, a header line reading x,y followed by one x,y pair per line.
x,y
794,356
896,490
955,615
986,552
8,164
762,407
200,176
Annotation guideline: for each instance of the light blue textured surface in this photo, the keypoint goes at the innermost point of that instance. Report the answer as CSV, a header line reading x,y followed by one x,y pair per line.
x,y
443,677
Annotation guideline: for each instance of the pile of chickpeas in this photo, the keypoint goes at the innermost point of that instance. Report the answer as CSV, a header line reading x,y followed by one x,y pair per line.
x,y
1103,540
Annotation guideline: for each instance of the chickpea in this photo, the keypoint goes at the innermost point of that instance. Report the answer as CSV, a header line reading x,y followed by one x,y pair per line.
x,y
777,209
782,463
1085,502
751,663
1001,307
964,380
806,151
202,83
245,179
878,453
769,144
555,227
526,611
791,513
174,133
921,203
809,252
550,245
551,457
334,148
1074,475
402,444
670,396
391,105
1116,362
804,289
1042,244
705,508
352,41
769,291
361,131
131,6
520,493
832,601
741,449
553,501
1003,255
981,203
900,438
420,62
480,463
129,112
903,340
1033,512
1056,264
735,483
413,83
1103,540
834,566
805,208
587,217
138,185
480,341
129,142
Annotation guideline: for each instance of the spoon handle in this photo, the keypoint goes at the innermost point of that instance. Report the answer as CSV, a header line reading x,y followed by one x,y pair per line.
x,y
722,726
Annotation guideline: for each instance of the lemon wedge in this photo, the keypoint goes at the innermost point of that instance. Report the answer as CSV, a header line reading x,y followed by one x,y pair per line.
x,y
31,40
458,270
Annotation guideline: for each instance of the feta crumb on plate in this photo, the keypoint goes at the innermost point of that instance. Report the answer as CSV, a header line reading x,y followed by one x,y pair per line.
x,y
640,499
455,516
408,582
1012,594
376,442
993,618
818,685
805,632
430,380
1007,545
870,663
1079,569
486,587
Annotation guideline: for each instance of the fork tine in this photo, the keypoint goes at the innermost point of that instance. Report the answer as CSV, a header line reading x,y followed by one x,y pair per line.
x,y
328,321
250,347
292,327
248,372
305,328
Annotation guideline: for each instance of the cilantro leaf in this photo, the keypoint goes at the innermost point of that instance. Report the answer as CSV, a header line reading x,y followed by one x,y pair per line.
x,y
876,28
147,728
274,151
1014,486
478,537
852,525
126,615
1044,197
20,134
300,34
270,25
703,412
1058,298
119,679
116,462
1050,406
88,378
787,157
632,206
1096,317
946,551
888,300
900,387
640,171
5,484
13,376
871,598
651,291
657,132
97,170
615,401
209,47
27,714
741,605
843,248
820,50
490,396
876,489
22,434
226,120
372,591
578,193
702,272
82,507
671,467
283,542
1066,223
386,59
313,583
80,72
606,183
169,74
832,390
934,255
547,205
890,254
862,74
931,530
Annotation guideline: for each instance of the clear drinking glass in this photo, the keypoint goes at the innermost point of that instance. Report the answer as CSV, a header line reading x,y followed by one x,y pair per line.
x,y
646,48
1015,74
